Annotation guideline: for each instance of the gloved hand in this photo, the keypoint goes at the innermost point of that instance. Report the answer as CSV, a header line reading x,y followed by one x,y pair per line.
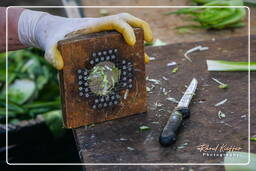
x,y
42,30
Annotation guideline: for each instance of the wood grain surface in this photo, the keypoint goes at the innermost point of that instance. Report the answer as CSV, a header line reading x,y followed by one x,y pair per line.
x,y
121,141
76,52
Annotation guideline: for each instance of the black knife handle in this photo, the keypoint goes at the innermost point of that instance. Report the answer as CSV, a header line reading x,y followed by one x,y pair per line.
x,y
169,134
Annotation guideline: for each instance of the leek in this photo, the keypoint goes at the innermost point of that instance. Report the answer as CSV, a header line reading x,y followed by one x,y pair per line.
x,y
219,65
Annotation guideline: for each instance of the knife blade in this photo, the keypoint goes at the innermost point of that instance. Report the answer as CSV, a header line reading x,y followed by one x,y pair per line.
x,y
169,134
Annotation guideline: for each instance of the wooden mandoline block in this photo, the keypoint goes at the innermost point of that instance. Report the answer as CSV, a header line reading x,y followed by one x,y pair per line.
x,y
80,104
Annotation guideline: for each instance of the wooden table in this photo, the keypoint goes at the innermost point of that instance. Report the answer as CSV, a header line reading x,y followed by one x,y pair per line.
x,y
121,141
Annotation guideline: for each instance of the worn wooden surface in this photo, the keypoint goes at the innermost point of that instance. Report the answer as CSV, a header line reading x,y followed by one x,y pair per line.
x,y
121,141
76,52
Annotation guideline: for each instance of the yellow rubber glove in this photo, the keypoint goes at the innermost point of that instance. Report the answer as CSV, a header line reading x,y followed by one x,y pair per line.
x,y
43,30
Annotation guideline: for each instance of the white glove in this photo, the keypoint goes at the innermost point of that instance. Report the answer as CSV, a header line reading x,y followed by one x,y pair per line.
x,y
42,30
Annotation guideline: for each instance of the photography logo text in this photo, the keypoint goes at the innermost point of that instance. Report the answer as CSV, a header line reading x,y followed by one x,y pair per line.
x,y
218,150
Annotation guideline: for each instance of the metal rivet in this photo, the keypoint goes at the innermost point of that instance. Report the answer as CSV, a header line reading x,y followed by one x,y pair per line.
x,y
86,84
113,97
99,106
96,100
110,51
130,85
130,80
124,78
79,71
86,89
105,105
108,58
124,73
113,56
104,52
124,61
115,102
124,84
124,67
129,69
80,82
102,99
85,78
94,54
118,96
87,95
107,98
110,103
80,88
80,77
85,72
92,62
94,106
102,58
96,59
115,50
81,94
99,53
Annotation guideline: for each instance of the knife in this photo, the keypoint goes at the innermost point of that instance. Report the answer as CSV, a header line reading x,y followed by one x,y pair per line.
x,y
169,134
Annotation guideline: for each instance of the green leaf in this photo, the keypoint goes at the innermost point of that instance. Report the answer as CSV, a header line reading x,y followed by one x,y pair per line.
x,y
21,90
174,70
144,128
53,120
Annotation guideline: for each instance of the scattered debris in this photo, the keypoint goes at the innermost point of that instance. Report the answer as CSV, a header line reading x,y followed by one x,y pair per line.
x,y
92,125
243,116
182,146
200,48
130,148
221,115
157,104
126,94
174,70
123,139
151,58
164,78
221,102
171,64
144,128
221,85
159,42
171,99
148,89
153,80
155,122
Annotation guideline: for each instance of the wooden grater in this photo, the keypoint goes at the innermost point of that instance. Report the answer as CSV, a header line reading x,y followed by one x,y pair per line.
x,y
103,78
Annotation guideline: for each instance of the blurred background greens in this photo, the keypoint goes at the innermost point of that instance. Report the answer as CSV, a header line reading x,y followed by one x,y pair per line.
x,y
32,89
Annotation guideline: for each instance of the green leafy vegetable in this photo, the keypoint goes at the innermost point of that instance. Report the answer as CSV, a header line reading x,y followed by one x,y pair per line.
x,y
174,70
253,138
214,18
219,65
53,120
144,128
32,88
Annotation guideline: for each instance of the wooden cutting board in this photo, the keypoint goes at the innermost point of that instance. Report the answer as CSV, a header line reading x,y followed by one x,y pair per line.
x,y
121,141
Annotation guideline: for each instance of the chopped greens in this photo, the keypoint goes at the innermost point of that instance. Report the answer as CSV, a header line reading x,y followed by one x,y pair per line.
x,y
219,65
221,115
221,85
174,70
33,89
144,128
214,18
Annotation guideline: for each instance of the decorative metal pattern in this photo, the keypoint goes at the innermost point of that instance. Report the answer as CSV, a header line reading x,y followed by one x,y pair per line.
x,y
125,79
